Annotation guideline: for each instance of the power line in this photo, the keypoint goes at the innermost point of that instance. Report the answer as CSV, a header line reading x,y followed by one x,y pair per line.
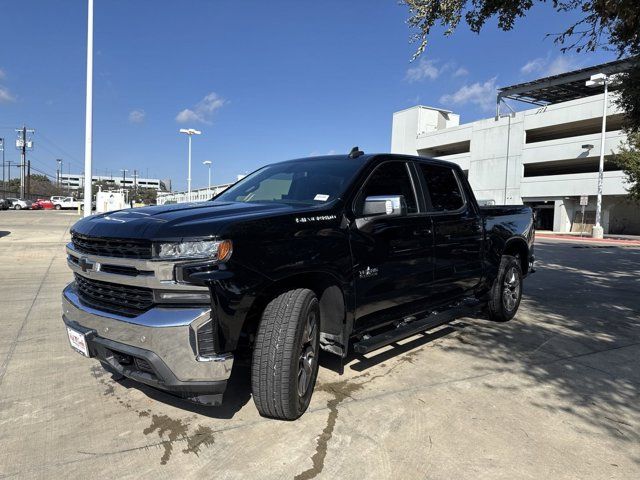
x,y
63,151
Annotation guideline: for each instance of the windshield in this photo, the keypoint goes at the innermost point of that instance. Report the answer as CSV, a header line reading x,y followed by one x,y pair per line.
x,y
302,182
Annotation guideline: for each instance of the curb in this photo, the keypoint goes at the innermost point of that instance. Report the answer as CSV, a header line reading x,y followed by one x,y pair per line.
x,y
572,238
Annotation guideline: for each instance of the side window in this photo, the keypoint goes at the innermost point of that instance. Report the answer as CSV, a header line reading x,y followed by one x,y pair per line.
x,y
391,178
443,187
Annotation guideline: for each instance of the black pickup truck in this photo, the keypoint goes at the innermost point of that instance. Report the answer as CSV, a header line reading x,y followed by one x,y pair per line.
x,y
337,253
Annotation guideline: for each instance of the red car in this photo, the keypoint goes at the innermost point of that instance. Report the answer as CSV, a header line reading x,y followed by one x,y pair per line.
x,y
42,204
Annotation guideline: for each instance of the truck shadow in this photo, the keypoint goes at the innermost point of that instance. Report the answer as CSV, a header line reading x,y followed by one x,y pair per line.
x,y
575,344
4,233
237,395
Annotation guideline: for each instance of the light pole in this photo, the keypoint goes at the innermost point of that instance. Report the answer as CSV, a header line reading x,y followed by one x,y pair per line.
x,y
59,171
600,80
88,135
208,164
124,176
190,132
3,179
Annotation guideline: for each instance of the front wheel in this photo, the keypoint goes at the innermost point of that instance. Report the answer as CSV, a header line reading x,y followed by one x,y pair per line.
x,y
285,355
506,291
17,207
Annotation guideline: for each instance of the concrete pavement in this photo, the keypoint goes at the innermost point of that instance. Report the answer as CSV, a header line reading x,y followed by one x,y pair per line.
x,y
555,393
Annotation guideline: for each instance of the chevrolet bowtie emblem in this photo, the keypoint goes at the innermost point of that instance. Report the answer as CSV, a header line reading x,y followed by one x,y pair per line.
x,y
86,265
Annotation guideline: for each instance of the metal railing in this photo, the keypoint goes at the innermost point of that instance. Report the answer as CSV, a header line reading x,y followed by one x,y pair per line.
x,y
198,195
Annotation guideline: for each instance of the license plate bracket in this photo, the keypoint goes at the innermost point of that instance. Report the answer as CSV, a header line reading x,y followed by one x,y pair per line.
x,y
78,341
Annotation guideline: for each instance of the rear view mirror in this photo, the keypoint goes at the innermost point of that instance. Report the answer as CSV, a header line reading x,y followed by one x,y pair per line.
x,y
387,205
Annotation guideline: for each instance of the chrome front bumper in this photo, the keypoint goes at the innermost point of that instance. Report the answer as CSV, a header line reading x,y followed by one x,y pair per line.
x,y
166,332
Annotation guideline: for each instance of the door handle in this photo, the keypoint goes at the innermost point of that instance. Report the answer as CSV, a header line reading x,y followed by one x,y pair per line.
x,y
422,231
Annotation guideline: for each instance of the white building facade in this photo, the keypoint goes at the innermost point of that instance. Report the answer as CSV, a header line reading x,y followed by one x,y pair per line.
x,y
545,157
75,181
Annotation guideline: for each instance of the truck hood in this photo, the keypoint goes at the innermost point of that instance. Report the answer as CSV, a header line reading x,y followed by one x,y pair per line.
x,y
176,221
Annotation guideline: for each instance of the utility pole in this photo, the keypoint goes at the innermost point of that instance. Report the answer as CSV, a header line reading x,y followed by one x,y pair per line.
x,y
22,144
28,182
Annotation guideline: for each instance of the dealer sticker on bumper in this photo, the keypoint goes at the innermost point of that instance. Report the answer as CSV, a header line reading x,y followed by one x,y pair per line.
x,y
78,341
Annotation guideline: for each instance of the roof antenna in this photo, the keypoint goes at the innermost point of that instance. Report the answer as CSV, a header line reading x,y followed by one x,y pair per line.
x,y
355,152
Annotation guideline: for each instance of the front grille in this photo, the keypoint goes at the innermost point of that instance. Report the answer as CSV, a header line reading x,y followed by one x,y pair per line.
x,y
120,299
112,247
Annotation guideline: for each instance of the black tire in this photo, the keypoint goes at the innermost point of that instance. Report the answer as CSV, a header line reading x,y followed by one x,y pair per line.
x,y
506,291
58,207
284,367
17,207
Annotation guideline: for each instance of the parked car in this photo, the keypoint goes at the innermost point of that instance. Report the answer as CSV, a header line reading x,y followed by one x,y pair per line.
x,y
42,204
19,204
335,253
66,203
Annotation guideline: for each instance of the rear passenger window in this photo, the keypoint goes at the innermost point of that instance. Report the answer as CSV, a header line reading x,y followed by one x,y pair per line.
x,y
391,178
443,187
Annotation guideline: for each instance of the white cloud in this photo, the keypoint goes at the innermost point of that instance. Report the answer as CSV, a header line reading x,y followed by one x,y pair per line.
x,y
562,64
422,70
137,116
546,66
203,110
461,72
5,95
481,94
431,70
534,65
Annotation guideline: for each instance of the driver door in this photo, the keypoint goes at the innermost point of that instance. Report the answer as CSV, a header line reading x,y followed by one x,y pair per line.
x,y
393,253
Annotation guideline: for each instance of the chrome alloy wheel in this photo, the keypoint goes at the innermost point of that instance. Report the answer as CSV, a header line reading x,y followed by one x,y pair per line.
x,y
511,289
308,356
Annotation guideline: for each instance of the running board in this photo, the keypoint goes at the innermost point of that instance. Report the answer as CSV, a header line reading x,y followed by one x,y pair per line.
x,y
408,329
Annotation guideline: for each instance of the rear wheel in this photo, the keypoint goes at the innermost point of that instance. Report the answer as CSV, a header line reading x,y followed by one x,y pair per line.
x,y
506,291
17,207
58,207
285,356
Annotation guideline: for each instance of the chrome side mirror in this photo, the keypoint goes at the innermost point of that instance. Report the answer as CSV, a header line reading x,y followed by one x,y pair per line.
x,y
387,205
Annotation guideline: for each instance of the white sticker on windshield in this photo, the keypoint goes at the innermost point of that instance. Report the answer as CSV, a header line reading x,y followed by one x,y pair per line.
x,y
321,197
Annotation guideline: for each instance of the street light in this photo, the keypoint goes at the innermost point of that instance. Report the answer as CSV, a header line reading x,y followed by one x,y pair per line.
x,y
59,172
600,80
208,164
88,132
190,132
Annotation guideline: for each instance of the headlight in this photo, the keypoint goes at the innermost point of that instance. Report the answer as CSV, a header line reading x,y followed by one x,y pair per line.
x,y
215,250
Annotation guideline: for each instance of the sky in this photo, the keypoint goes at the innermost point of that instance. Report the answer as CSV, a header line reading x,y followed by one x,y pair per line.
x,y
263,81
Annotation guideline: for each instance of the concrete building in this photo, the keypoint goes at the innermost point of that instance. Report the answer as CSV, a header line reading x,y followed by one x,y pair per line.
x,y
75,181
546,157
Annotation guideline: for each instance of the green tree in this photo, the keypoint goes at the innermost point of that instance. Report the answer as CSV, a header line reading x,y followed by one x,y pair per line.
x,y
606,24
628,159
